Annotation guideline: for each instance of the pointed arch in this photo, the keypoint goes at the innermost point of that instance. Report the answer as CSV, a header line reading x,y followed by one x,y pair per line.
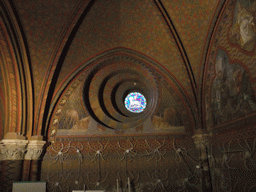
x,y
16,73
76,76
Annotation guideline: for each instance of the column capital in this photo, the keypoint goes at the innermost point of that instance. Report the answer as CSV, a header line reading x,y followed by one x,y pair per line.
x,y
34,149
13,149
201,140
17,147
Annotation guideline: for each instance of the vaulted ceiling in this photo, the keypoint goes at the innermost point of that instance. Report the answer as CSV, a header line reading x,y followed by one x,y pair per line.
x,y
60,56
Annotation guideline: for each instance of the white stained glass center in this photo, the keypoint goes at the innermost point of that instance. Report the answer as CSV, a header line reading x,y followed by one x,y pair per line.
x,y
135,102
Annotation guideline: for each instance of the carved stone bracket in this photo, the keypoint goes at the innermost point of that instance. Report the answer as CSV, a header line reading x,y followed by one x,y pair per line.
x,y
34,150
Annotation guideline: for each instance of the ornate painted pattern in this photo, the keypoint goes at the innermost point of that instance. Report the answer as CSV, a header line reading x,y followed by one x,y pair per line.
x,y
192,20
43,22
145,30
138,25
2,106
98,32
2,95
71,118
149,162
11,86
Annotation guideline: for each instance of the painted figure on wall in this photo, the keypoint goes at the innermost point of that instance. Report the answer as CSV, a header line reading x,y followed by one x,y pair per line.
x,y
232,95
220,90
242,95
243,30
171,118
71,117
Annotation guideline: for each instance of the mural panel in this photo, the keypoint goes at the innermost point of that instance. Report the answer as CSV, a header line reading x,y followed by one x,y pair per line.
x,y
230,68
72,118
243,30
232,95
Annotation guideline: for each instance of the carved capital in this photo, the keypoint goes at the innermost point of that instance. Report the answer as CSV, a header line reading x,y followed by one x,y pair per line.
x,y
34,150
201,140
13,149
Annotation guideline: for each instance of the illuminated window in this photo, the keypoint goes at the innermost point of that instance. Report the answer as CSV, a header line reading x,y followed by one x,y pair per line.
x,y
135,102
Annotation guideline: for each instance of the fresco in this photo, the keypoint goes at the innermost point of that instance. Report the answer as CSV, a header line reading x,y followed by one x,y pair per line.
x,y
230,80
243,30
232,95
168,120
71,118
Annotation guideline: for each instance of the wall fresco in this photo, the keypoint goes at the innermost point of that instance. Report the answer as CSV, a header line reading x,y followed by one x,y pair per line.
x,y
71,118
230,69
243,30
232,94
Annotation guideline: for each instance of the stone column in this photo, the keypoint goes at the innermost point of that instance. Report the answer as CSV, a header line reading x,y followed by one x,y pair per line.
x,y
201,140
35,148
20,159
13,148
202,143
33,157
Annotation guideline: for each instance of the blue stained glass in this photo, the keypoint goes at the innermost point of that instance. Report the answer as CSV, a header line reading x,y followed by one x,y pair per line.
x,y
135,102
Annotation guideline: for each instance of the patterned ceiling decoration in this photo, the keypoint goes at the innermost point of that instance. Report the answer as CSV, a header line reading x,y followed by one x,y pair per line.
x,y
93,104
52,32
192,20
2,105
68,65
57,48
15,70
43,25
3,92
138,26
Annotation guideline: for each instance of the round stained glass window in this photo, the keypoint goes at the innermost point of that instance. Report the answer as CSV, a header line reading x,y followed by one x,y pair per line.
x,y
135,102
